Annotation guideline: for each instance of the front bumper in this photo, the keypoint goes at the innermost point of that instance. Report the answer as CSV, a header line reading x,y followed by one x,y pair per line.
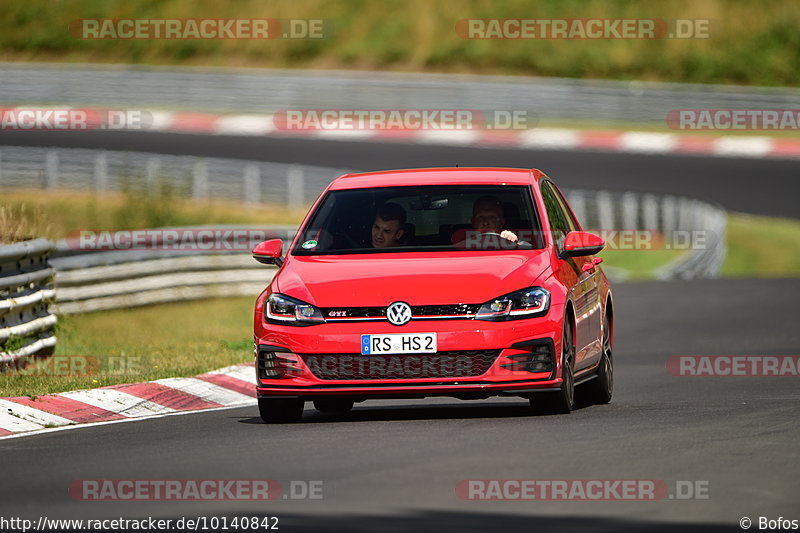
x,y
514,341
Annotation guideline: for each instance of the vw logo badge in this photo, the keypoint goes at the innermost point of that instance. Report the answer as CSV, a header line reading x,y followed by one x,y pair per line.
x,y
398,313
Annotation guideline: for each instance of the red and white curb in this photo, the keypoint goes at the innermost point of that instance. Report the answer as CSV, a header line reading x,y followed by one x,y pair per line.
x,y
232,386
537,138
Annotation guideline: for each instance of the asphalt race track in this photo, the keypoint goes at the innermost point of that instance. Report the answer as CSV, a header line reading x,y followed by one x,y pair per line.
x,y
759,186
399,461
394,465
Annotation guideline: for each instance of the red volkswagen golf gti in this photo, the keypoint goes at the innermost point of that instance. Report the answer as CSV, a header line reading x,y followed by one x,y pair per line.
x,y
461,282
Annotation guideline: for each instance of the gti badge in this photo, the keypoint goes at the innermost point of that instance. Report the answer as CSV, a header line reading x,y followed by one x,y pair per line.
x,y
398,313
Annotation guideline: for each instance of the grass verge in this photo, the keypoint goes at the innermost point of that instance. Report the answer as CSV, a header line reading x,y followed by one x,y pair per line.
x,y
748,42
762,246
757,247
141,344
636,265
27,212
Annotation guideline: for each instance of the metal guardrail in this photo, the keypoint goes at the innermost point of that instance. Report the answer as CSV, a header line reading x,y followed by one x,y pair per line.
x,y
125,278
295,185
26,292
261,90
100,280
694,228
252,182
99,286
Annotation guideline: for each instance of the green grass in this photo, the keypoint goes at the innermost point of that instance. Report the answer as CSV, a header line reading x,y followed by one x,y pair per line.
x,y
757,246
634,265
29,213
753,43
762,246
140,344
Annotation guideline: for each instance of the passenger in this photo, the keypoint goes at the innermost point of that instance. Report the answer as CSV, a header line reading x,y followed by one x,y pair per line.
x,y
488,217
387,229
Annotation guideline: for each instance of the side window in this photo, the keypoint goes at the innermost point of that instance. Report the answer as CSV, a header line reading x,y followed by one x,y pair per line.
x,y
567,214
555,214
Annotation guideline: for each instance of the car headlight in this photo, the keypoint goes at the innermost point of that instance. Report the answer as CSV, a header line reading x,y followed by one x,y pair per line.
x,y
525,303
280,309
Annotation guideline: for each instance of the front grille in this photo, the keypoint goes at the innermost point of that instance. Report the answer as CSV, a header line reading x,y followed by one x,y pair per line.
x,y
439,310
446,364
343,313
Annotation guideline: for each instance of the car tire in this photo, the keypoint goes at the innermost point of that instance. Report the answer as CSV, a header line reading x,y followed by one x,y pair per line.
x,y
602,387
333,405
280,410
561,401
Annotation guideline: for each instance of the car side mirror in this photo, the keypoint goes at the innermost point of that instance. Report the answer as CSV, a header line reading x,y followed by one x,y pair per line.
x,y
581,243
269,252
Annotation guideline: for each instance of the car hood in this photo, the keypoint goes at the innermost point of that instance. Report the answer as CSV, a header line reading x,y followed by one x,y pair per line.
x,y
418,279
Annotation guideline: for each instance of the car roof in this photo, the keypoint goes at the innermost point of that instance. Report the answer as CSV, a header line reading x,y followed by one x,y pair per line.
x,y
437,176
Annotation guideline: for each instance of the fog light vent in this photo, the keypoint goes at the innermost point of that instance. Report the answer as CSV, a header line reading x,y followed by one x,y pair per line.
x,y
276,365
539,359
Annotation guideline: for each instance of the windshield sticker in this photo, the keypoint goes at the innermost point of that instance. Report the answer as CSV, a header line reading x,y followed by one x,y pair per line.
x,y
308,245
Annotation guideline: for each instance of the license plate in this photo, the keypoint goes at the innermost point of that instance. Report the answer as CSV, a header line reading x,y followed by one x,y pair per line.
x,y
398,343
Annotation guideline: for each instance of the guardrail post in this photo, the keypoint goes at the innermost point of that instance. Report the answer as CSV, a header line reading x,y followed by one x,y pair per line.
x,y
685,212
295,187
100,172
577,200
200,180
252,184
630,210
152,169
668,218
650,212
719,222
605,211
51,169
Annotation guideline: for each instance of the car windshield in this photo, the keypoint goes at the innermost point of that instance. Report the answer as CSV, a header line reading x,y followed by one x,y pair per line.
x,y
422,218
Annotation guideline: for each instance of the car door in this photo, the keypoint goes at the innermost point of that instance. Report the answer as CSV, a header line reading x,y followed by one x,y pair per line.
x,y
590,283
569,270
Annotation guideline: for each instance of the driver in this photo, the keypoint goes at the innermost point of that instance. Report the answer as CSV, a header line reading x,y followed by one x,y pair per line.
x,y
387,229
488,217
